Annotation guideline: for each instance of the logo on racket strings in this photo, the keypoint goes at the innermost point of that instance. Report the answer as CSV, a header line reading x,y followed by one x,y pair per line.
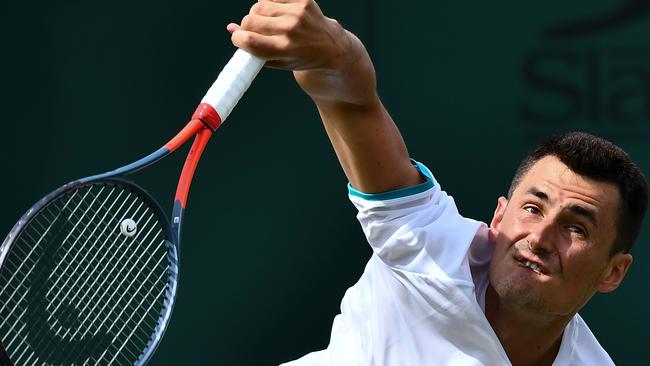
x,y
128,227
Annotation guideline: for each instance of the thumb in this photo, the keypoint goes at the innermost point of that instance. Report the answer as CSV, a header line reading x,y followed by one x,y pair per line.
x,y
233,27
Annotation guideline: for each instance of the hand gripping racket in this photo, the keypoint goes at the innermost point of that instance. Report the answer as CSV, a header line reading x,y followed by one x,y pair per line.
x,y
89,274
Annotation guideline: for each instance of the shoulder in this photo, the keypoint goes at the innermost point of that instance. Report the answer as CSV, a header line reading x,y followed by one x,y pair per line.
x,y
418,229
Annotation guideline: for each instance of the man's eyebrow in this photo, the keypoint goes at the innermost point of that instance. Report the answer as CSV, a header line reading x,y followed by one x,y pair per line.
x,y
584,212
538,193
575,209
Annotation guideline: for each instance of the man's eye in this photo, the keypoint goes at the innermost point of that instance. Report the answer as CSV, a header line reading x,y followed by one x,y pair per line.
x,y
532,209
577,230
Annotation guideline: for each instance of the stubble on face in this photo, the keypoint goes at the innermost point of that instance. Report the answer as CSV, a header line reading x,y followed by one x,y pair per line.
x,y
556,290
516,285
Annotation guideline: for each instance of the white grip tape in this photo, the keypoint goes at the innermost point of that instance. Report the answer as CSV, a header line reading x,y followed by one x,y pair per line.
x,y
232,82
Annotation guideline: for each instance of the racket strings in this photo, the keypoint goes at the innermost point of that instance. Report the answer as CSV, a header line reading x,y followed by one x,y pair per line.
x,y
21,287
67,264
24,261
67,253
90,312
84,264
41,225
59,277
100,313
101,291
36,222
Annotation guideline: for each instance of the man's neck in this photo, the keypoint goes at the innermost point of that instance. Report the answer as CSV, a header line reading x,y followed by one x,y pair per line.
x,y
528,339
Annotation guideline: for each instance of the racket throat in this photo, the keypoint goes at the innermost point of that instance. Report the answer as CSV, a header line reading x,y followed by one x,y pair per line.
x,y
208,116
177,222
183,188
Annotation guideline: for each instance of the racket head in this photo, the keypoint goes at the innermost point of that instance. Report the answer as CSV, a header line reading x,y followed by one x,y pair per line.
x,y
79,284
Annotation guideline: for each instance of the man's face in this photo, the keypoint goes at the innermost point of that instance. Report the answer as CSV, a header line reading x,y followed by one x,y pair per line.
x,y
553,239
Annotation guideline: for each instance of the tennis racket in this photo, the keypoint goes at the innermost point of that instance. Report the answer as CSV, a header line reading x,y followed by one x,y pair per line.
x,y
88,276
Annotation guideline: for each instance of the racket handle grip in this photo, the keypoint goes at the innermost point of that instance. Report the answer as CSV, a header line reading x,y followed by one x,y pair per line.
x,y
232,82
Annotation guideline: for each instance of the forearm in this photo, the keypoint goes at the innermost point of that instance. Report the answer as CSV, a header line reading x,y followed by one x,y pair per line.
x,y
367,143
332,66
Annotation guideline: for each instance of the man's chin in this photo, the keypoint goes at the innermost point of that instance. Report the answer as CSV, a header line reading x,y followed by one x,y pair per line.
x,y
520,294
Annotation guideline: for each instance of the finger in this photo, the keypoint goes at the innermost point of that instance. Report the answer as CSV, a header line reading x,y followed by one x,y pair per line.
x,y
232,27
285,1
269,26
266,47
271,9
278,64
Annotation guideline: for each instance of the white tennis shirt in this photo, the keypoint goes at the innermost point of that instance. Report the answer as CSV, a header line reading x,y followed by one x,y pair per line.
x,y
421,298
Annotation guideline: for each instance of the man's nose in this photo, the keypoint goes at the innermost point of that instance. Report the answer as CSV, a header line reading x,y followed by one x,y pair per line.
x,y
543,237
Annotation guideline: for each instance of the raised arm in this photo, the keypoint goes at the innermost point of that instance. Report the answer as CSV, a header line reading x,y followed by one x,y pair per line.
x,y
332,66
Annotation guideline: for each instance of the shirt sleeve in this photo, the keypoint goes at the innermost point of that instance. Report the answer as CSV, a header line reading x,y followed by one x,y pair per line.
x,y
417,229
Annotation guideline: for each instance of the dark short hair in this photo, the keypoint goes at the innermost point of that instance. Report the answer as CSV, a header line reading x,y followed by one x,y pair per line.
x,y
600,160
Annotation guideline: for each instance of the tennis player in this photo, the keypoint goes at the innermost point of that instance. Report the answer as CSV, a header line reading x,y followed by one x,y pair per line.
x,y
442,289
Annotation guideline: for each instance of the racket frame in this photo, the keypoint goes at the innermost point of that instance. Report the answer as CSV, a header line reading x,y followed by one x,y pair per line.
x,y
215,107
172,241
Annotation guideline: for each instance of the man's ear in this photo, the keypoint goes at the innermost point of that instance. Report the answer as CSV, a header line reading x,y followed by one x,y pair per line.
x,y
615,272
495,224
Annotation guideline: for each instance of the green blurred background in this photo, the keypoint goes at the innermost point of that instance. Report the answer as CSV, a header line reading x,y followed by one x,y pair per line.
x,y
271,242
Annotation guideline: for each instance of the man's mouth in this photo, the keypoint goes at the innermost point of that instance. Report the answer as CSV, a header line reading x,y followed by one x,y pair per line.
x,y
535,267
